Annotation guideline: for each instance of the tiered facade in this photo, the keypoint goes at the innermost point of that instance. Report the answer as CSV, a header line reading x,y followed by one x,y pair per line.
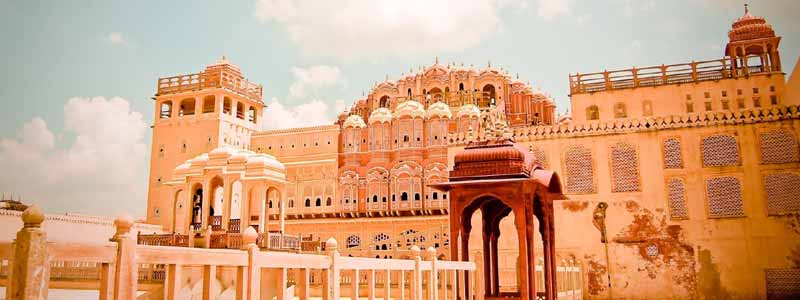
x,y
681,180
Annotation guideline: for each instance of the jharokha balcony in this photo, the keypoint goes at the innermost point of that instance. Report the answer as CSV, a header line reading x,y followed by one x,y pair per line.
x,y
219,75
666,74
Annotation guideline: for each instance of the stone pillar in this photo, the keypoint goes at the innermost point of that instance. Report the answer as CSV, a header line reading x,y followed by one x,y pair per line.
x,y
126,270
433,281
30,270
331,278
416,286
250,277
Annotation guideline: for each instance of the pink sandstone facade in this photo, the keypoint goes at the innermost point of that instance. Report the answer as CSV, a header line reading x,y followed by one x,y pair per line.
x,y
680,180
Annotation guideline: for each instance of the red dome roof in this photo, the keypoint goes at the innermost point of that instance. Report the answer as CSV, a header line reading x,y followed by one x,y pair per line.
x,y
750,27
494,158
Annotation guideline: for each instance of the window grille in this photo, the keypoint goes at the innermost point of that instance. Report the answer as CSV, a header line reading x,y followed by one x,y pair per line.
x,y
677,199
782,283
540,156
624,168
724,197
579,168
778,147
782,194
673,159
720,150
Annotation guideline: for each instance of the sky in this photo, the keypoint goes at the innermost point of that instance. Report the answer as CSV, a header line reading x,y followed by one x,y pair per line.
x,y
79,75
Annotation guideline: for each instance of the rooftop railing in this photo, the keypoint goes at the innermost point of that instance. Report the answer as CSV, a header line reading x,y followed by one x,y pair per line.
x,y
661,75
210,79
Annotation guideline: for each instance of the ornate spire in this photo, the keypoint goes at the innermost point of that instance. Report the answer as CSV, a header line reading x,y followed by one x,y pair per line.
x,y
746,9
437,59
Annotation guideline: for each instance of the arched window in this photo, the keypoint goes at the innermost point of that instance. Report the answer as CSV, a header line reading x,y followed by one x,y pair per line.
x,y
404,196
461,86
291,203
187,107
240,110
270,203
489,96
374,198
435,195
308,202
416,197
226,105
166,109
328,201
383,199
251,115
393,198
209,104
353,241
384,102
409,93
319,202
592,113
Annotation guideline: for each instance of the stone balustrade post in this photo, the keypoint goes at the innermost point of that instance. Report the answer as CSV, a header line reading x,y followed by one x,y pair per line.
x,y
207,237
416,287
30,270
433,282
126,271
249,278
331,276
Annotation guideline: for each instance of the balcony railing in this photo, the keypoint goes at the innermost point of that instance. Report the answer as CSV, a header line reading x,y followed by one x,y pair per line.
x,y
660,75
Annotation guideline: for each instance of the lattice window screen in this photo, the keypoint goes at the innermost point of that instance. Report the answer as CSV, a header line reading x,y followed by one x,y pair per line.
x,y
677,199
782,283
579,167
724,197
624,168
778,147
782,193
672,154
540,156
720,150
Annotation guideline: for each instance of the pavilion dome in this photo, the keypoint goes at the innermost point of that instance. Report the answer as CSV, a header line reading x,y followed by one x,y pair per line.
x,y
492,158
264,160
409,108
440,110
436,70
354,121
750,27
468,110
380,115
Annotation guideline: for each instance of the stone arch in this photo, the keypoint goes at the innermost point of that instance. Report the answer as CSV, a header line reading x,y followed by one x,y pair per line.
x,y
187,107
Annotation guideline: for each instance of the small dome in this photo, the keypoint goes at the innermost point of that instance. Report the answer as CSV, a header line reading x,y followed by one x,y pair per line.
x,y
409,108
468,110
264,160
439,109
385,85
380,115
750,27
435,70
240,156
492,158
565,119
354,121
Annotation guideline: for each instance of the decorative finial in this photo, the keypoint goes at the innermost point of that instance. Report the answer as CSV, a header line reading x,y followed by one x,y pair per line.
x,y
387,77
746,9
489,64
437,59
32,217
517,76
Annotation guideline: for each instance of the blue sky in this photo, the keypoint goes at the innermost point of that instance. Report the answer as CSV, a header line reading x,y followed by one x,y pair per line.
x,y
65,62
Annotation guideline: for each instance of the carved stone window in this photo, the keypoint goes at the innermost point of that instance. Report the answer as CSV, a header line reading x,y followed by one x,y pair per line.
x,y
778,147
676,193
620,111
724,197
592,113
579,167
720,150
624,168
782,283
782,196
673,159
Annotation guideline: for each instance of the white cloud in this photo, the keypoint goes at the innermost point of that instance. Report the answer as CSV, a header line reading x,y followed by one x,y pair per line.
x,y
550,9
116,38
312,113
311,79
101,170
367,29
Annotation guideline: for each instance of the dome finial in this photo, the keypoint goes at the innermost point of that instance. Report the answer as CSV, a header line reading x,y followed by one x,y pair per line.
x,y
437,59
746,9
